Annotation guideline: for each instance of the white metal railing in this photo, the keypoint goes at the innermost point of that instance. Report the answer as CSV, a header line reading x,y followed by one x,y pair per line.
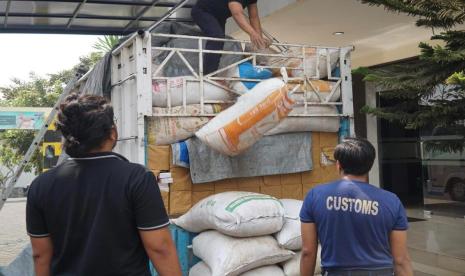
x,y
295,52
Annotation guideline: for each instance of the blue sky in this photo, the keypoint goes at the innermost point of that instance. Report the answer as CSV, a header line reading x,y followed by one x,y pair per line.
x,y
21,54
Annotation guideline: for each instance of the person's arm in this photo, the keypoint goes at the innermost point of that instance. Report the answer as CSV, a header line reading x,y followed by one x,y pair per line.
x,y
237,13
254,18
152,223
161,251
42,252
399,251
309,249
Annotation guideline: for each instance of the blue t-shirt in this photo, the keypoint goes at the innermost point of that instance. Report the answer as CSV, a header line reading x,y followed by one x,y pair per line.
x,y
354,220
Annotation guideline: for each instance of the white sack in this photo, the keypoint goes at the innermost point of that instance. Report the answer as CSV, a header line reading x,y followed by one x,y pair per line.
x,y
202,269
311,57
169,130
228,256
211,92
324,89
292,266
256,112
238,214
290,236
303,124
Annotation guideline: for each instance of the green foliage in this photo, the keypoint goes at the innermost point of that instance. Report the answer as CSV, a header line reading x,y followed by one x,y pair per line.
x,y
36,92
428,92
107,43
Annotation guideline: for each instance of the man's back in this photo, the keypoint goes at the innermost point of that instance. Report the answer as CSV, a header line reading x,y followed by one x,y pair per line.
x,y
354,220
92,208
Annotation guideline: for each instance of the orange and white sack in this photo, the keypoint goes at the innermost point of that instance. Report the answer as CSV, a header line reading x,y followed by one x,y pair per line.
x,y
240,126
328,91
176,86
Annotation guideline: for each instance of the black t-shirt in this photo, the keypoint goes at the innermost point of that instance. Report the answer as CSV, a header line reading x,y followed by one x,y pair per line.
x,y
219,8
92,208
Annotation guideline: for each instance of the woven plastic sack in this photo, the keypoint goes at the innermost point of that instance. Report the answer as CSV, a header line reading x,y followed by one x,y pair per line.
x,y
202,269
228,256
290,236
192,89
240,126
237,214
292,266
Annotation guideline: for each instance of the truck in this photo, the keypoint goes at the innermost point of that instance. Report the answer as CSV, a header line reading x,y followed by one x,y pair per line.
x,y
133,75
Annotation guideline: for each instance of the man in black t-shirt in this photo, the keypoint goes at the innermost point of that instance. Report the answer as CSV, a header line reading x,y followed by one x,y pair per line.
x,y
211,17
97,213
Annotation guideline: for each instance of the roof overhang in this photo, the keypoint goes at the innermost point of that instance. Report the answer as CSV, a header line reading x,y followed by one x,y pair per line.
x,y
101,17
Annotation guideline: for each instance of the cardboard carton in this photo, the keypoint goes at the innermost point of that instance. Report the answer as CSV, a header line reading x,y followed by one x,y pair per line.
x,y
272,180
203,187
181,179
249,182
329,139
198,196
272,191
159,158
180,202
291,179
166,200
225,185
292,191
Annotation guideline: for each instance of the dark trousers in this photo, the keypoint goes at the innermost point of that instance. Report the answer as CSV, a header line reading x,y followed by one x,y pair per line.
x,y
211,27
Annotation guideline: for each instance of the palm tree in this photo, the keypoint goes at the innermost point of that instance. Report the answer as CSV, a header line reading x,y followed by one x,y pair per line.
x,y
107,43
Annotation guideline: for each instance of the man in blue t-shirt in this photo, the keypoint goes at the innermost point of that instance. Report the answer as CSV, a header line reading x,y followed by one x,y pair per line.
x,y
362,229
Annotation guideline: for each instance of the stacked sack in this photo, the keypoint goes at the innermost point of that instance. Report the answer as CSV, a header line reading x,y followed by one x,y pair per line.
x,y
290,237
237,235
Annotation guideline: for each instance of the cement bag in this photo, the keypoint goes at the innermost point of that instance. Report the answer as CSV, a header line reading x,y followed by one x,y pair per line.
x,y
311,57
290,236
292,266
303,124
169,130
175,85
324,88
202,269
240,126
238,214
228,256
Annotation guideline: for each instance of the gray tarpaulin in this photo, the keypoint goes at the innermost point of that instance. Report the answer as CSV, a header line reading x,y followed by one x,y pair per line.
x,y
21,266
278,154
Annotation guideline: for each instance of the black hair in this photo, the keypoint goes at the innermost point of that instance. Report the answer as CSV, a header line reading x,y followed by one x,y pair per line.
x,y
85,122
355,156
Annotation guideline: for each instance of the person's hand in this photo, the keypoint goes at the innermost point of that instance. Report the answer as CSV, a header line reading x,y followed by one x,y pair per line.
x,y
258,41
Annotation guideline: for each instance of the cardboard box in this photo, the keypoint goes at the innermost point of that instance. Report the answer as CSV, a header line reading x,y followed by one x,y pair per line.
x,y
329,173
250,189
203,187
291,179
292,191
272,191
181,179
166,200
159,158
313,176
180,202
272,180
198,196
249,182
307,187
225,185
315,140
329,139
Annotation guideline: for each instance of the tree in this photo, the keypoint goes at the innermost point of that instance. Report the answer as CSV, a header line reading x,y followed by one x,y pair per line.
x,y
107,43
35,92
429,91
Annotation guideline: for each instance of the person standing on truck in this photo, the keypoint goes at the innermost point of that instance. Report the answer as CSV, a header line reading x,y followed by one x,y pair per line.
x,y
97,213
362,229
211,15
